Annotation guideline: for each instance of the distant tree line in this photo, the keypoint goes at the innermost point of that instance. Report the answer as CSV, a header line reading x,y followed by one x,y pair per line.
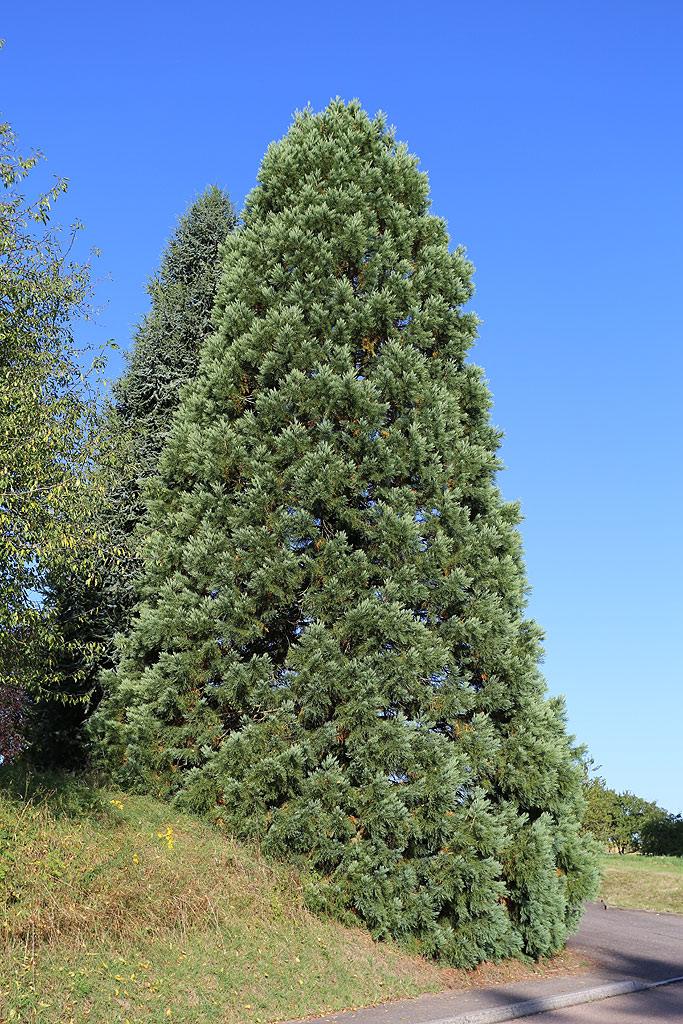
x,y
628,823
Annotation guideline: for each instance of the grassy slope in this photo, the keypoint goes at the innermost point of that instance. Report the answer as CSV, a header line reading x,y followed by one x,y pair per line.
x,y
116,909
643,883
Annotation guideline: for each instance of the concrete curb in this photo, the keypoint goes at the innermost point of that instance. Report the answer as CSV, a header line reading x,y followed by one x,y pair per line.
x,y
502,1013
668,981
512,1011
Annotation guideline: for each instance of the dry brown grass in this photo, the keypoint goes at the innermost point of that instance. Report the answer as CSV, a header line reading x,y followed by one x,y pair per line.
x,y
130,872
127,911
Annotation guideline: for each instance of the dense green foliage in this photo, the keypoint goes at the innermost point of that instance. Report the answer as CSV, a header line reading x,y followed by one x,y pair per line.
x,y
662,835
332,653
92,607
52,458
167,343
629,824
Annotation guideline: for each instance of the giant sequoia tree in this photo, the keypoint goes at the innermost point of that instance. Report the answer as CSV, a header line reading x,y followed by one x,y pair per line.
x,y
332,653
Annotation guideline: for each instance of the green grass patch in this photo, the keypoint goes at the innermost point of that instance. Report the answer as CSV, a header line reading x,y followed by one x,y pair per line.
x,y
115,909
643,883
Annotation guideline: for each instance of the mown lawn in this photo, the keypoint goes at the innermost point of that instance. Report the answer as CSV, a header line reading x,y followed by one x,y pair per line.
x,y
643,883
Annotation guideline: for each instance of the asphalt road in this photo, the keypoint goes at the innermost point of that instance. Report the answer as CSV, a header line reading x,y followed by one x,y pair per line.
x,y
631,944
622,945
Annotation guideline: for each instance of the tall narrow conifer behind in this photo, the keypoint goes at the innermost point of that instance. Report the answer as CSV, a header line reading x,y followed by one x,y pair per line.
x,y
332,653
92,606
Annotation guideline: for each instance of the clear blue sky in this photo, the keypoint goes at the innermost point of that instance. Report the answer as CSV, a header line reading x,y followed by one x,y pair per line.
x,y
552,137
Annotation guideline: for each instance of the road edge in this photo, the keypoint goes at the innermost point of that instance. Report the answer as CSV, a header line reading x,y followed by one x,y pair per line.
x,y
496,1014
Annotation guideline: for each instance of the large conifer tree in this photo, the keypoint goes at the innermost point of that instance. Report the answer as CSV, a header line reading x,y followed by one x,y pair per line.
x,y
332,653
94,605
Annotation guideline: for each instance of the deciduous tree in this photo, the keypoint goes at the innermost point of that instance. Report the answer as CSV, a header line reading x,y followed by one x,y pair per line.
x,y
662,835
50,439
